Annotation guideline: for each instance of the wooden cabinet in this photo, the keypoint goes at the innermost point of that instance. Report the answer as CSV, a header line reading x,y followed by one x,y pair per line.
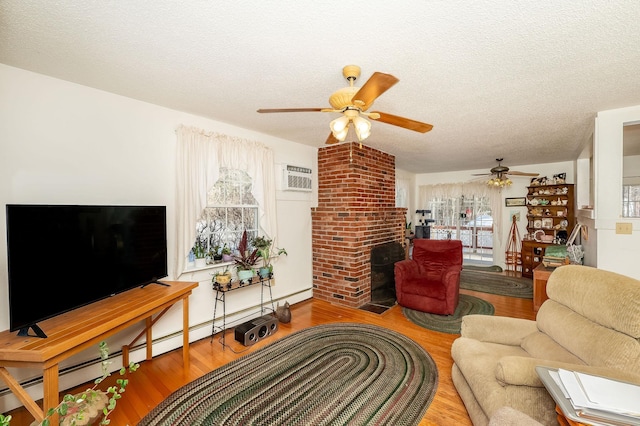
x,y
550,209
532,254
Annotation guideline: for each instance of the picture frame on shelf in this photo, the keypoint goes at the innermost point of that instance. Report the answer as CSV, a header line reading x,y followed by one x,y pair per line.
x,y
547,223
515,202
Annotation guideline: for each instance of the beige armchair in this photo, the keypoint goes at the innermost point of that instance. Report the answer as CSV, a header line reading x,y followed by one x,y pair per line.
x,y
590,323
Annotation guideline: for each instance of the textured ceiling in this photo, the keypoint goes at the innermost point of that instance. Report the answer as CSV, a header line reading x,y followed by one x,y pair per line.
x,y
521,80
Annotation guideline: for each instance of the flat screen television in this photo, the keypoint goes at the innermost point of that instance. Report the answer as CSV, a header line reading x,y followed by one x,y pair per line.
x,y
61,257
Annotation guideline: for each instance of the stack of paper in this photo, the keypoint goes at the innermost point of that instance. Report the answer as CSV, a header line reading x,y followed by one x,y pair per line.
x,y
600,400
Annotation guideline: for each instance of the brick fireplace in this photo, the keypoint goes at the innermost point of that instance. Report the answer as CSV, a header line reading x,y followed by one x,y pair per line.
x,y
356,211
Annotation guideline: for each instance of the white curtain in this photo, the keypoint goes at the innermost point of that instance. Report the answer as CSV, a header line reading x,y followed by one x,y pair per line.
x,y
200,155
402,192
467,189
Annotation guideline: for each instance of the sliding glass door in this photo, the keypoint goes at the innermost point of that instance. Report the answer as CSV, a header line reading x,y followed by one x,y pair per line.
x,y
467,219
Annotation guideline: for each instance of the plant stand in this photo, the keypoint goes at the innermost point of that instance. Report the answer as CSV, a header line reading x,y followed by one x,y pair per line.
x,y
513,254
221,292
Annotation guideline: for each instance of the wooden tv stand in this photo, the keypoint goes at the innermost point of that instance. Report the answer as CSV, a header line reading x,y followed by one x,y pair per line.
x,y
85,327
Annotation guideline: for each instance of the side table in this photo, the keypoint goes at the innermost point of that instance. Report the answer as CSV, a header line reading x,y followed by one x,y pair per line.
x,y
540,276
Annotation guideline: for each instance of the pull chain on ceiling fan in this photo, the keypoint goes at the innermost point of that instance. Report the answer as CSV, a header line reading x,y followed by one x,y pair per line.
x,y
353,102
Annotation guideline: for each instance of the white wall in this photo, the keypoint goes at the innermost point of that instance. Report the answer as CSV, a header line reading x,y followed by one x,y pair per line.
x,y
62,143
616,252
517,189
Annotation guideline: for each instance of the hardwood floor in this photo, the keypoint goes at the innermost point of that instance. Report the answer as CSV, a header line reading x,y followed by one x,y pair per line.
x,y
157,378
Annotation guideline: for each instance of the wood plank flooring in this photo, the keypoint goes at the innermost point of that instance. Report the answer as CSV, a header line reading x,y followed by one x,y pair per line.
x,y
157,378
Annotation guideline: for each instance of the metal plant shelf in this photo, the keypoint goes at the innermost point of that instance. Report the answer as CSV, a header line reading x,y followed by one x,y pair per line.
x,y
221,292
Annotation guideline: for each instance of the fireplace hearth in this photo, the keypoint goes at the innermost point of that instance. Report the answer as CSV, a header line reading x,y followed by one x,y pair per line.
x,y
383,285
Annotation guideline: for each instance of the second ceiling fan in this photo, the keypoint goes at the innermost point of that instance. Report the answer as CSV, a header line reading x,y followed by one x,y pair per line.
x,y
499,174
353,102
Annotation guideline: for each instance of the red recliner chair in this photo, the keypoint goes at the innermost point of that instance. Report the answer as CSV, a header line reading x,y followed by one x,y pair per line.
x,y
430,281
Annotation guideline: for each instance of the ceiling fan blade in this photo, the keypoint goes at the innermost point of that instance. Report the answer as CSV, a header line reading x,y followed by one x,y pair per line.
x,y
377,84
481,174
404,122
513,172
331,139
263,110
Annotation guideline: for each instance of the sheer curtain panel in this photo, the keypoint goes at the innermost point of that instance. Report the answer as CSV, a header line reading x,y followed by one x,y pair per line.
x,y
200,155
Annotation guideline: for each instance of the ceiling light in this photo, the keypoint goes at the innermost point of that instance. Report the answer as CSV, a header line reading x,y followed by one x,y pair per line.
x,y
362,126
340,126
499,182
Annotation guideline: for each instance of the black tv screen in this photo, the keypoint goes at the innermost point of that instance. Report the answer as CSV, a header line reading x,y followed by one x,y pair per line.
x,y
72,255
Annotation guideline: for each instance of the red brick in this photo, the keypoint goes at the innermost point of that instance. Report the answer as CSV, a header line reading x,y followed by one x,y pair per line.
x,y
356,211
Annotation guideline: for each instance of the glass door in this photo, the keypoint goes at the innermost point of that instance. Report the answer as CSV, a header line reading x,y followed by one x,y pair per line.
x,y
467,219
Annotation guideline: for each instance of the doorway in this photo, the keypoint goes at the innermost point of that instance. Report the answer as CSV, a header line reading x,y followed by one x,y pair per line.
x,y
467,219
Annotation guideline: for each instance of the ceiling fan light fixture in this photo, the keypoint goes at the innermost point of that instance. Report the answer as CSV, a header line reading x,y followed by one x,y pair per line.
x,y
339,125
499,182
342,134
362,127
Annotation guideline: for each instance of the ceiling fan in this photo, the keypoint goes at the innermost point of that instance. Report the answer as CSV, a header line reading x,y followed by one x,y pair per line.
x,y
353,102
500,175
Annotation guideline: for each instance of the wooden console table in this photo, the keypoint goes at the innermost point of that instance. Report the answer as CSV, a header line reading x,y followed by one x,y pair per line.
x,y
83,328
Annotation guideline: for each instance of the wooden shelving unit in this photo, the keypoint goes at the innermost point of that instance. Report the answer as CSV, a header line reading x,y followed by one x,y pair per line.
x,y
550,209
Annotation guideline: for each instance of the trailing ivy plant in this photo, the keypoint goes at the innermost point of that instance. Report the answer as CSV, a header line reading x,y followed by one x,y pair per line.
x,y
71,404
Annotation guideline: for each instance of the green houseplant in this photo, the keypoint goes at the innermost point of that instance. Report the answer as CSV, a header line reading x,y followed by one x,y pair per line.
x,y
75,407
200,253
264,246
91,403
226,253
246,259
222,277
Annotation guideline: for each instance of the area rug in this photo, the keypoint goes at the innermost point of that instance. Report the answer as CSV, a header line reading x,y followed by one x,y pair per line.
x,y
331,374
487,282
450,323
492,268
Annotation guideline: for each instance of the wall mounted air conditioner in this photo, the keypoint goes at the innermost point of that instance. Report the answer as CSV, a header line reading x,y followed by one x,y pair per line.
x,y
296,178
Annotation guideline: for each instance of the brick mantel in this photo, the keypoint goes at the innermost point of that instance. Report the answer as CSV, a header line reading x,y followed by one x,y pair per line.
x,y
356,211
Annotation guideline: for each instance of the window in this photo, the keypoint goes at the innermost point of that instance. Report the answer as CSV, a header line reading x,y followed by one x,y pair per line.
x,y
231,209
467,219
224,185
631,201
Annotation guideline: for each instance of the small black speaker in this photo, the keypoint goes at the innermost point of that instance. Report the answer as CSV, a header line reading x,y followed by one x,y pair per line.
x,y
256,329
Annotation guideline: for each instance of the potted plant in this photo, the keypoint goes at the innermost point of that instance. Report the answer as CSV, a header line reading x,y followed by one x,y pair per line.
x,y
226,253
200,253
214,253
92,405
222,277
246,259
263,245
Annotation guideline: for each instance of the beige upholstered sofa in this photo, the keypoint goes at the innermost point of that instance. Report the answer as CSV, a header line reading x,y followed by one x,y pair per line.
x,y
590,323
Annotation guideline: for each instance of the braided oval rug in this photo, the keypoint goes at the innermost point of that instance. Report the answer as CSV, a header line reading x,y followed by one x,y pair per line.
x,y
334,374
450,324
487,282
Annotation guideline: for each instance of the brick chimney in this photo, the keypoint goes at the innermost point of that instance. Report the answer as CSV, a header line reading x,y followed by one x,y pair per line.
x,y
356,211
